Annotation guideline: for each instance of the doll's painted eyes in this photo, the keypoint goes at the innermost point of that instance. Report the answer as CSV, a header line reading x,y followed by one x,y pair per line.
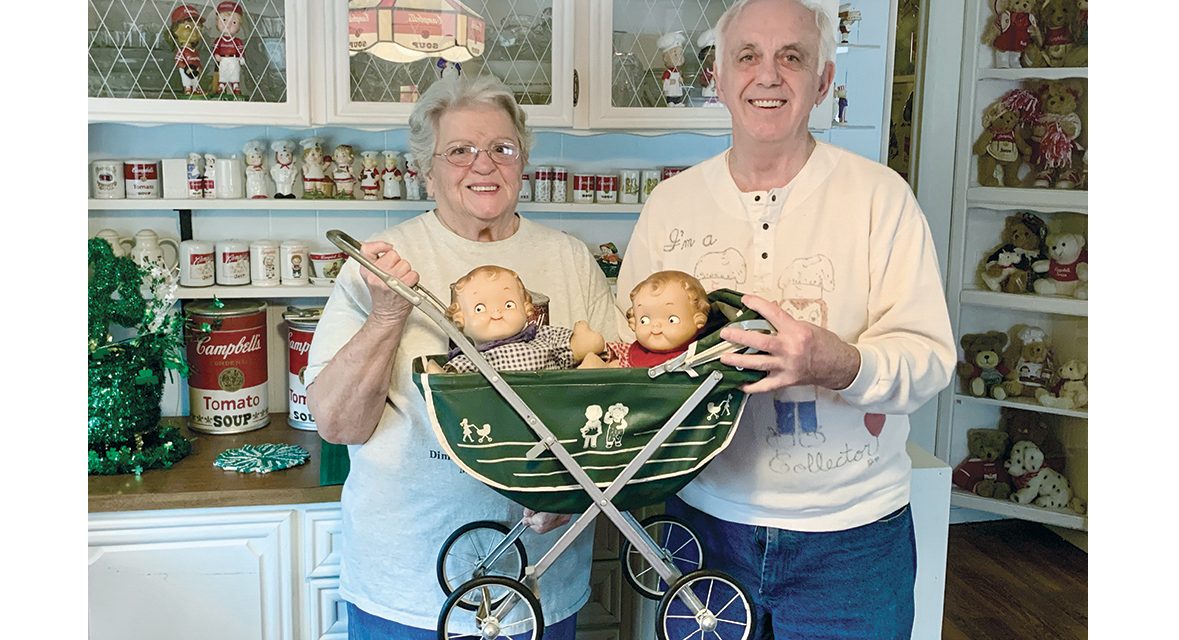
x,y
645,320
673,319
480,308
510,304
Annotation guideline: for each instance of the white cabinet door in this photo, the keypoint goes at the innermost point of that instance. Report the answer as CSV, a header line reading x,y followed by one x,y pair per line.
x,y
191,574
138,56
377,65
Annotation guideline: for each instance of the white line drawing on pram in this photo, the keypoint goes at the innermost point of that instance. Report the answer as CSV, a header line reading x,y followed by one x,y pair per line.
x,y
714,410
593,426
483,432
616,424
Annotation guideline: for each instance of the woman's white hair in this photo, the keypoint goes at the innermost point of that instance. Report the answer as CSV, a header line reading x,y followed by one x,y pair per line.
x,y
823,22
463,91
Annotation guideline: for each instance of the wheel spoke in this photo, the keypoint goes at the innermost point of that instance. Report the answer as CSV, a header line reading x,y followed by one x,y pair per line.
x,y
736,596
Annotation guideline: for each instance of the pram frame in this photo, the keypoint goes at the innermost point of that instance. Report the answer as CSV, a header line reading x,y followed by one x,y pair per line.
x,y
627,525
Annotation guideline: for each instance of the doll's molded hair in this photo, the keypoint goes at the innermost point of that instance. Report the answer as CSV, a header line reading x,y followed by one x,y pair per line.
x,y
455,310
671,278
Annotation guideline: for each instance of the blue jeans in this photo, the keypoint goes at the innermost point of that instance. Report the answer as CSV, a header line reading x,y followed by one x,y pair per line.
x,y
856,583
365,626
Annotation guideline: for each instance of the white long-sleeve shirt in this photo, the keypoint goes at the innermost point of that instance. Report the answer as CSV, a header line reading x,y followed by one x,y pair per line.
x,y
845,246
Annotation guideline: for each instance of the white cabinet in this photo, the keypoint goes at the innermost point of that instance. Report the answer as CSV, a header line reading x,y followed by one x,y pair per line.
x,y
977,219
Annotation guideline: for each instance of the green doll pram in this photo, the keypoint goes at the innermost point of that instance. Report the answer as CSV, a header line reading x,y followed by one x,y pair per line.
x,y
584,441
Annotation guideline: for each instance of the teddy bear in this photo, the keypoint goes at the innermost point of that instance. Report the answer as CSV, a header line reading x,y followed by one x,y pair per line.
x,y
1008,268
1038,483
982,472
1001,148
1029,362
1055,133
1011,32
1066,271
1058,21
982,371
1021,424
1069,388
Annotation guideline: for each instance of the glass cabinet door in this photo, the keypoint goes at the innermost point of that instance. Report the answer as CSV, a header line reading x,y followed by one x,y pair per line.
x,y
207,61
650,64
385,53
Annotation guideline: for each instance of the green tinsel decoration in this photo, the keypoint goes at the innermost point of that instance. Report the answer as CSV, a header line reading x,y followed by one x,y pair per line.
x,y
126,378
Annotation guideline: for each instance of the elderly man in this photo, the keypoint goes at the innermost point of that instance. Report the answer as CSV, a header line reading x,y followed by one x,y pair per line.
x,y
809,506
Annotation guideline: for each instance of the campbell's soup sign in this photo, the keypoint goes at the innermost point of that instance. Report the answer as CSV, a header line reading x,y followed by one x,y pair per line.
x,y
300,331
226,344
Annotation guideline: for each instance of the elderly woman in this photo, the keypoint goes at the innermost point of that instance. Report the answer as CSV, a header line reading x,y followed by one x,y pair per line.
x,y
402,498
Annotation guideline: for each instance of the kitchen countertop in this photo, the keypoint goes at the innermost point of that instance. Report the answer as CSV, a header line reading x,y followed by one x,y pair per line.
x,y
195,483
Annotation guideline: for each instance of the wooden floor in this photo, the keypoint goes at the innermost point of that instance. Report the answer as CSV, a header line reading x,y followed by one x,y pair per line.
x,y
1012,579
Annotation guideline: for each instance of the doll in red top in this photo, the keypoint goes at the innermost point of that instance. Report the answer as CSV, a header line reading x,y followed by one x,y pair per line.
x,y
186,31
228,50
667,312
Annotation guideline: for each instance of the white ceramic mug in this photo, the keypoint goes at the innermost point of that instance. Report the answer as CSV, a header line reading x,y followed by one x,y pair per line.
x,y
233,261
148,249
197,262
264,263
106,180
326,265
116,241
230,180
294,265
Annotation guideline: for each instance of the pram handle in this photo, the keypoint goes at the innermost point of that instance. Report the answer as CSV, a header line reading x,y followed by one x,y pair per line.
x,y
351,246
692,358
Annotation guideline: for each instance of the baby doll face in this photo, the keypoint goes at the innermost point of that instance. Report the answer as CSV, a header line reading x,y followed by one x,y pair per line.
x,y
673,57
342,156
665,321
492,307
283,156
254,158
229,22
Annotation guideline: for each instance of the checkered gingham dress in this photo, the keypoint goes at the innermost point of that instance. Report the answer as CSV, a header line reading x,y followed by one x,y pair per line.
x,y
548,350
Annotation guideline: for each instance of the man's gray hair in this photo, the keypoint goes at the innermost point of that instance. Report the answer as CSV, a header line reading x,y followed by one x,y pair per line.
x,y
463,91
823,21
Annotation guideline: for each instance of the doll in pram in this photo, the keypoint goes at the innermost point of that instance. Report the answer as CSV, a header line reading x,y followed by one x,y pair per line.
x,y
584,442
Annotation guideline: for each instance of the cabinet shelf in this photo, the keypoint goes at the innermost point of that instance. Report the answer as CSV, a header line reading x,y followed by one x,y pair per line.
x,y
270,204
1042,200
1067,519
253,291
851,46
1025,302
1045,73
1030,405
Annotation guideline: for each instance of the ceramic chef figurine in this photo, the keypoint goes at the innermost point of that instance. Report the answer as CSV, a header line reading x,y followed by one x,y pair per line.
x,y
448,69
707,77
255,153
209,182
672,46
343,174
228,50
195,169
316,184
283,171
370,174
413,186
391,176
186,34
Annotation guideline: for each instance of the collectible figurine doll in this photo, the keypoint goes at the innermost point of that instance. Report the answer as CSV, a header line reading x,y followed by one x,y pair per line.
x,y
229,51
195,169
841,103
210,183
391,176
667,312
413,186
283,171
847,17
316,184
448,69
672,46
343,175
255,153
370,175
186,33
707,77
491,307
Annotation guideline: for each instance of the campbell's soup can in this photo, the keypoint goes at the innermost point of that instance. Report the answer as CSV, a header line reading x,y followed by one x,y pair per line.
x,y
584,185
141,179
560,184
300,329
226,344
542,185
668,172
607,192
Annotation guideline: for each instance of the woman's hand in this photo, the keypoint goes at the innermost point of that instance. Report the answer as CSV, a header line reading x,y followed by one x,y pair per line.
x,y
388,307
543,522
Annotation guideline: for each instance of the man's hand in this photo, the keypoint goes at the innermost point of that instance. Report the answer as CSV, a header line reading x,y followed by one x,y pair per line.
x,y
799,354
543,522
388,306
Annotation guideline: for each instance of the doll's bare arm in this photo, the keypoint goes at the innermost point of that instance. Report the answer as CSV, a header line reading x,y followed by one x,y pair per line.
x,y
585,341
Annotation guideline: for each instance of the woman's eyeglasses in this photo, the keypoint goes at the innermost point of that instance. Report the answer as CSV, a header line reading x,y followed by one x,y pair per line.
x,y
464,155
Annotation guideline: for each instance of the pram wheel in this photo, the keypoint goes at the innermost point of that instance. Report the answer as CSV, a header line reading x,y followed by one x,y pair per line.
x,y
722,609
462,557
676,540
522,620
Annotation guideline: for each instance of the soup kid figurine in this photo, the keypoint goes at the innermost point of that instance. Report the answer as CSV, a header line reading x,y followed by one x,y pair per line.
x,y
672,46
316,184
391,176
283,171
370,174
343,175
229,51
707,77
491,307
186,33
667,312
255,153
413,186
